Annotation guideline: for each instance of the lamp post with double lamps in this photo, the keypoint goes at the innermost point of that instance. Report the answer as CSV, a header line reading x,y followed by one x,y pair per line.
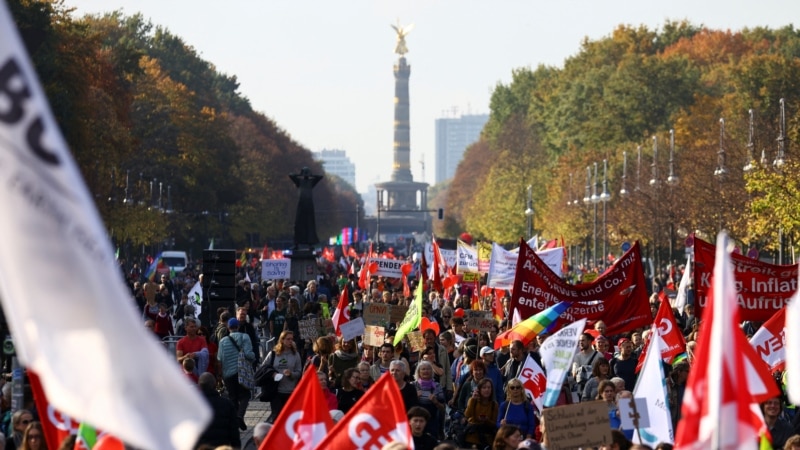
x,y
529,211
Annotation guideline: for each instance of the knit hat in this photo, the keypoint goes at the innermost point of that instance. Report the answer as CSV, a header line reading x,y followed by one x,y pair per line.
x,y
233,323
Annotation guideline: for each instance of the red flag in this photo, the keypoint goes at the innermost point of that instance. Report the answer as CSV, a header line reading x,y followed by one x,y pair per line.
x,y
439,267
671,279
549,244
672,341
305,419
406,269
618,296
423,270
770,340
363,275
719,406
497,305
265,252
55,425
476,298
327,254
342,313
375,420
352,253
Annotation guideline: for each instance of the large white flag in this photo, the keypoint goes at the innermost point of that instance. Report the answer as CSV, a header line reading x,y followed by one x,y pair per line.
x,y
680,299
557,352
76,327
652,387
503,265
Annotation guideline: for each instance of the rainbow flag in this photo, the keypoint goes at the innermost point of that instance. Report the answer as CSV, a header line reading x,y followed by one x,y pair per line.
x,y
158,261
529,328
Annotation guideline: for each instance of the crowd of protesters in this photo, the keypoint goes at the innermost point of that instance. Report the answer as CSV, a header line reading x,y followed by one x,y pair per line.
x,y
457,390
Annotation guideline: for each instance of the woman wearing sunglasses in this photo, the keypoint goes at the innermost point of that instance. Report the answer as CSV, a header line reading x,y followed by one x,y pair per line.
x,y
517,410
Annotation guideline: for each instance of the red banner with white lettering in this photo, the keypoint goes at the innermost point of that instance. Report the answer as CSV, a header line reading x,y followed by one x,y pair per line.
x,y
378,418
618,296
762,289
304,419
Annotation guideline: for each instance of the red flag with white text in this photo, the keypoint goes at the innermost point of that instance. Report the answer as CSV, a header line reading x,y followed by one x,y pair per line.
x,y
304,420
770,340
764,289
618,296
720,404
378,418
534,381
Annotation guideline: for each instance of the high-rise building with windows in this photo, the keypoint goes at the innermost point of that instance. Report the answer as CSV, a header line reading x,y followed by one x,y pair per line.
x,y
453,136
337,163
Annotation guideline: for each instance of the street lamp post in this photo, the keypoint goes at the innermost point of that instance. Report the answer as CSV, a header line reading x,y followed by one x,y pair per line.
x,y
720,171
594,200
587,198
529,211
605,196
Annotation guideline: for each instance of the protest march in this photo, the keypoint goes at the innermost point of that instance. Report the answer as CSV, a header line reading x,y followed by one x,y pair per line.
x,y
470,346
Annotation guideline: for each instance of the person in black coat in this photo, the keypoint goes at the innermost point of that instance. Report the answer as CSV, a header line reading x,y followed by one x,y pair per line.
x,y
224,426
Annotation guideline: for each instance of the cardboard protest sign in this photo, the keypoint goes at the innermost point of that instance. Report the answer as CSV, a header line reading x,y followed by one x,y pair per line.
x,y
479,320
582,425
309,328
374,335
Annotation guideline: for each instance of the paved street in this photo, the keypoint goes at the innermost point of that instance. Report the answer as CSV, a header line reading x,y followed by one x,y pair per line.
x,y
256,412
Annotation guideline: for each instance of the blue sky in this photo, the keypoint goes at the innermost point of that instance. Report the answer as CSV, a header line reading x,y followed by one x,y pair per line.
x,y
322,70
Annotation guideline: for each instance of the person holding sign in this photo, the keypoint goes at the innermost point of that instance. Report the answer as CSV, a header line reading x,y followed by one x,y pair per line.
x,y
517,410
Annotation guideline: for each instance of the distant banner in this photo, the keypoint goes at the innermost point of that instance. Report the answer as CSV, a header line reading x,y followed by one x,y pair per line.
x,y
389,268
503,265
449,255
762,289
618,297
276,269
466,258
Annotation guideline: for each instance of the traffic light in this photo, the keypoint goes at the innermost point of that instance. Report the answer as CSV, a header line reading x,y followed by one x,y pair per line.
x,y
441,213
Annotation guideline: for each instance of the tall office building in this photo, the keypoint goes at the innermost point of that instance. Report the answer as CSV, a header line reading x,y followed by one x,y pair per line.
x,y
453,136
337,163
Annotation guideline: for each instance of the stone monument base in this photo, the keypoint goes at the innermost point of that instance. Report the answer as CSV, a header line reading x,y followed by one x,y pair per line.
x,y
304,265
